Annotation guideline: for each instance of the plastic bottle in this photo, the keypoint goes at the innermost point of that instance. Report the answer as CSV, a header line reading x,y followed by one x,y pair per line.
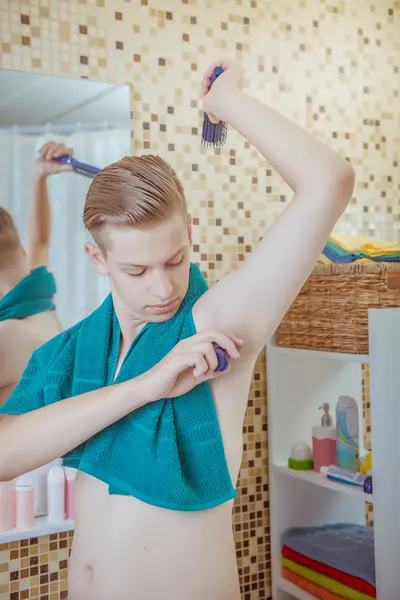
x,y
7,505
24,518
40,490
70,475
56,494
347,440
324,441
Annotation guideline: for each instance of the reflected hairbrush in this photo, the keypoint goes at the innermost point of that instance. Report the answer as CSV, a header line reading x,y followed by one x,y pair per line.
x,y
79,167
214,134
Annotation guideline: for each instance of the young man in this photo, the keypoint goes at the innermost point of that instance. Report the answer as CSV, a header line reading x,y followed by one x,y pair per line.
x,y
24,324
141,533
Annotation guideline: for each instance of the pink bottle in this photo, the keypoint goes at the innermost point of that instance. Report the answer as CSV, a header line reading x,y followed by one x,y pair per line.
x,y
70,475
7,505
324,441
24,502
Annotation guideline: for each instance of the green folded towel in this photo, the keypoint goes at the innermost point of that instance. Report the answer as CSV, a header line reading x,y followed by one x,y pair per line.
x,y
324,582
168,453
32,295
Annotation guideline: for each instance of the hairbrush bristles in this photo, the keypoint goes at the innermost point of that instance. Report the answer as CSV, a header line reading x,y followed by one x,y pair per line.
x,y
214,135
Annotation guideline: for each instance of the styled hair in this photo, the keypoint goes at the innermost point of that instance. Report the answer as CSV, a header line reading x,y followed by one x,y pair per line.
x,y
10,245
133,191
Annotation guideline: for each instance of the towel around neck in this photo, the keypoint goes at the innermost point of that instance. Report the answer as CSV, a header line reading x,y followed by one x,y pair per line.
x,y
32,295
168,453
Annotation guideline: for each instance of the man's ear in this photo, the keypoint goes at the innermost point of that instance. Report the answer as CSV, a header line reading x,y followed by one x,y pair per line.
x,y
190,229
96,258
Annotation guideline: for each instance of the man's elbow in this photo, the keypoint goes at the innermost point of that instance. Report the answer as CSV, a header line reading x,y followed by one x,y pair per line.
x,y
344,179
338,186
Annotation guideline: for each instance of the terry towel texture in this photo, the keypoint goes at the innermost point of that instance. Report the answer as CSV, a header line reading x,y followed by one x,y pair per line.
x,y
309,586
168,453
346,547
32,295
348,580
324,582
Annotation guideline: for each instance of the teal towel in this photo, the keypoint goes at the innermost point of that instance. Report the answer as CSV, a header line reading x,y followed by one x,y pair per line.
x,y
32,295
168,453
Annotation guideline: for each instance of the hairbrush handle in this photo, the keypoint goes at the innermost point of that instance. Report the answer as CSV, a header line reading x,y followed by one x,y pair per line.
x,y
80,167
216,73
223,358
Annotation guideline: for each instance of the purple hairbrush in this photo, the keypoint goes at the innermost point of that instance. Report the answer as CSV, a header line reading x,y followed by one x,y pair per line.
x,y
214,135
223,358
79,167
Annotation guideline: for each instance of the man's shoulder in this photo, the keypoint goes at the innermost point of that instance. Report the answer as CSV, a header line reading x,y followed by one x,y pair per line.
x,y
47,351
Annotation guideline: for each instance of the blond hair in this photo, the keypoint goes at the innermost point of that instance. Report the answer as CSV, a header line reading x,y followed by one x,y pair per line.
x,y
131,192
11,250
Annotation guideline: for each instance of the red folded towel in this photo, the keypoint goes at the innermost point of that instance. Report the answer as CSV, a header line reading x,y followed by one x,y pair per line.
x,y
349,580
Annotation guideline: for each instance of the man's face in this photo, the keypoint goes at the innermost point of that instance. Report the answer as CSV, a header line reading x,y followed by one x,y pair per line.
x,y
148,267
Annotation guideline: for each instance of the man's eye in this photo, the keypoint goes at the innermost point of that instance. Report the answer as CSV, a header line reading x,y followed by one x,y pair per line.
x,y
176,263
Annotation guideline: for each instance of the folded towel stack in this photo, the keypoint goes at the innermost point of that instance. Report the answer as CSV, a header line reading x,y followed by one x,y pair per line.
x,y
342,249
332,562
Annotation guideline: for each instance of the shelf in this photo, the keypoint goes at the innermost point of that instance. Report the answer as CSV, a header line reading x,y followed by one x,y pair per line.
x,y
42,526
325,354
314,478
293,590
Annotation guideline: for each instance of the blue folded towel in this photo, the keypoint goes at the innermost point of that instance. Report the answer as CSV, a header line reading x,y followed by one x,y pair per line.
x,y
346,547
32,295
168,453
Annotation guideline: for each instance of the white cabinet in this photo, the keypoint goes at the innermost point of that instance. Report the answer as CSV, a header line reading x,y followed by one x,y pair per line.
x,y
298,381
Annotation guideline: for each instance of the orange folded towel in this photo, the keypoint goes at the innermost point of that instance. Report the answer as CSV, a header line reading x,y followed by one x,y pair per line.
x,y
309,586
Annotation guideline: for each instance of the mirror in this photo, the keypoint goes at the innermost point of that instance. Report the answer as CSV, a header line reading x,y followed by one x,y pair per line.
x,y
93,119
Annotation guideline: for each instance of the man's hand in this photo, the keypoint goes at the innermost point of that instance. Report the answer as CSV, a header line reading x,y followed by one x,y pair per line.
x,y
192,361
217,95
45,165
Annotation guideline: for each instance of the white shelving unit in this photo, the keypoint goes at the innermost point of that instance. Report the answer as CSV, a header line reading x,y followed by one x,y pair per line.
x,y
298,381
41,526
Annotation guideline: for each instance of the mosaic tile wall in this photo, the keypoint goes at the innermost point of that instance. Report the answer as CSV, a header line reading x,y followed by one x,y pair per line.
x,y
366,403
331,65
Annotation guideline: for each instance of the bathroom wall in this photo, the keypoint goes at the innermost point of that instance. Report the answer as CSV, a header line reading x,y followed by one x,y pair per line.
x,y
332,65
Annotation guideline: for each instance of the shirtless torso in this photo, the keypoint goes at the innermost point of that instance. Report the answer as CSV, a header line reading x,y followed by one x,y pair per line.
x,y
18,339
129,550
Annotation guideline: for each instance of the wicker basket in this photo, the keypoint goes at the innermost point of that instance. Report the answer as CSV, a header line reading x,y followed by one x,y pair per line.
x,y
331,311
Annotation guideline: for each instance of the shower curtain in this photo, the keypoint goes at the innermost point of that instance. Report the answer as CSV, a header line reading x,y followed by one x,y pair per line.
x,y
79,289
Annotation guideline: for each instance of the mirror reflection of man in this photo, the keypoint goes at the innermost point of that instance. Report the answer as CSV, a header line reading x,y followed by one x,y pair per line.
x,y
27,311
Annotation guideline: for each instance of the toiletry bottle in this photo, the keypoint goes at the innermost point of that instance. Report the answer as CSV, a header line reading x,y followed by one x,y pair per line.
x,y
40,490
56,494
7,505
70,475
347,442
324,441
24,518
